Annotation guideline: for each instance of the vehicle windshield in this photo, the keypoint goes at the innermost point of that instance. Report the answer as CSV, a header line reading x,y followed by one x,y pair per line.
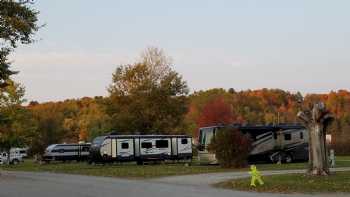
x,y
98,140
205,136
51,147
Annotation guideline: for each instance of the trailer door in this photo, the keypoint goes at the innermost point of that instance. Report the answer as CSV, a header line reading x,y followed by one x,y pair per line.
x,y
174,149
184,145
114,148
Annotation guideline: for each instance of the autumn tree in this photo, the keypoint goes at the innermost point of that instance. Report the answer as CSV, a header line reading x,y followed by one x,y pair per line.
x,y
92,120
216,112
148,96
49,119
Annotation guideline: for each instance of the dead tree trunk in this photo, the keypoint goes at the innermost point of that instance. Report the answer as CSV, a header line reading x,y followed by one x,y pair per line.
x,y
316,121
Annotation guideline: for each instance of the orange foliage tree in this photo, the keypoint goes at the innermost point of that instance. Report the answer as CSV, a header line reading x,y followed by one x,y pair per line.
x,y
216,112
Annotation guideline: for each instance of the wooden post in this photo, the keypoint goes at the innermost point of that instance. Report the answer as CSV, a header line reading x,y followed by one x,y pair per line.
x,y
316,121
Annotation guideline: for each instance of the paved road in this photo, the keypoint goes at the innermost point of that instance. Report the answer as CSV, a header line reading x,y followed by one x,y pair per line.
x,y
30,184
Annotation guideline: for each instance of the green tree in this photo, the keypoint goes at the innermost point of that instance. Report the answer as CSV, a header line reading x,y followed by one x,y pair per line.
x,y
17,126
148,96
18,23
231,147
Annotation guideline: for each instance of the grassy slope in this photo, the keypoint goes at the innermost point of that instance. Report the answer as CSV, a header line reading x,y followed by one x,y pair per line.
x,y
294,183
131,170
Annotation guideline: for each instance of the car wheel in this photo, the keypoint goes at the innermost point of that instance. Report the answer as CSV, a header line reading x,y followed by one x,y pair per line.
x,y
15,162
288,158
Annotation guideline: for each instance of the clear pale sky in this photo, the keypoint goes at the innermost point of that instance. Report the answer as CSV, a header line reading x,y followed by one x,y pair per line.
x,y
293,45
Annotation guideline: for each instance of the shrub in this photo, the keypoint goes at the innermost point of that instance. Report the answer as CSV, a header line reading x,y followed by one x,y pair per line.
x,y
231,147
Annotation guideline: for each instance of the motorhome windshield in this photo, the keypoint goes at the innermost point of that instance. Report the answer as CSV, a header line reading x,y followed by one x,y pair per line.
x,y
98,140
205,136
51,147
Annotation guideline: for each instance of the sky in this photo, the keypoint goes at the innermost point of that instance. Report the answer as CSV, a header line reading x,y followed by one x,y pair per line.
x,y
293,45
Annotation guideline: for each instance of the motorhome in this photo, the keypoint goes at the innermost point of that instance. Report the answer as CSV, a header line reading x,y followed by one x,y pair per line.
x,y
273,143
67,152
140,148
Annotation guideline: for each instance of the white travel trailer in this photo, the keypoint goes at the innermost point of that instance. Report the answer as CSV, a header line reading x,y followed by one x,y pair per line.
x,y
274,143
140,148
66,152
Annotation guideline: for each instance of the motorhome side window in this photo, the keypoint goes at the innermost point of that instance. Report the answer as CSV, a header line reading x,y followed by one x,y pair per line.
x,y
184,141
146,145
301,135
287,136
162,144
125,145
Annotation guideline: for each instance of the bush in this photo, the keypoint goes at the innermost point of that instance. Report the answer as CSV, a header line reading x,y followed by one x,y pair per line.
x,y
231,147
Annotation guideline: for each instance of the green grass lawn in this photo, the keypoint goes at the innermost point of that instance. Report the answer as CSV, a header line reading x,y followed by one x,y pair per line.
x,y
131,170
126,170
294,183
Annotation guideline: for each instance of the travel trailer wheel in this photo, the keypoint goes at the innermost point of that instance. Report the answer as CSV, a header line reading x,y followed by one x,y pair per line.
x,y
139,162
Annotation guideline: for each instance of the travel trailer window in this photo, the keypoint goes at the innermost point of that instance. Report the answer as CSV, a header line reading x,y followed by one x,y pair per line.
x,y
162,144
125,145
287,136
184,141
146,145
301,135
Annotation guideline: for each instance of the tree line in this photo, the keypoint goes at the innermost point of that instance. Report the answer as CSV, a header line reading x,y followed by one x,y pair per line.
x,y
83,119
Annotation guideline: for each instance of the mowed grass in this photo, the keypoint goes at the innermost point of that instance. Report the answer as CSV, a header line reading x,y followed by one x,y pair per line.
x,y
125,170
294,183
131,170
